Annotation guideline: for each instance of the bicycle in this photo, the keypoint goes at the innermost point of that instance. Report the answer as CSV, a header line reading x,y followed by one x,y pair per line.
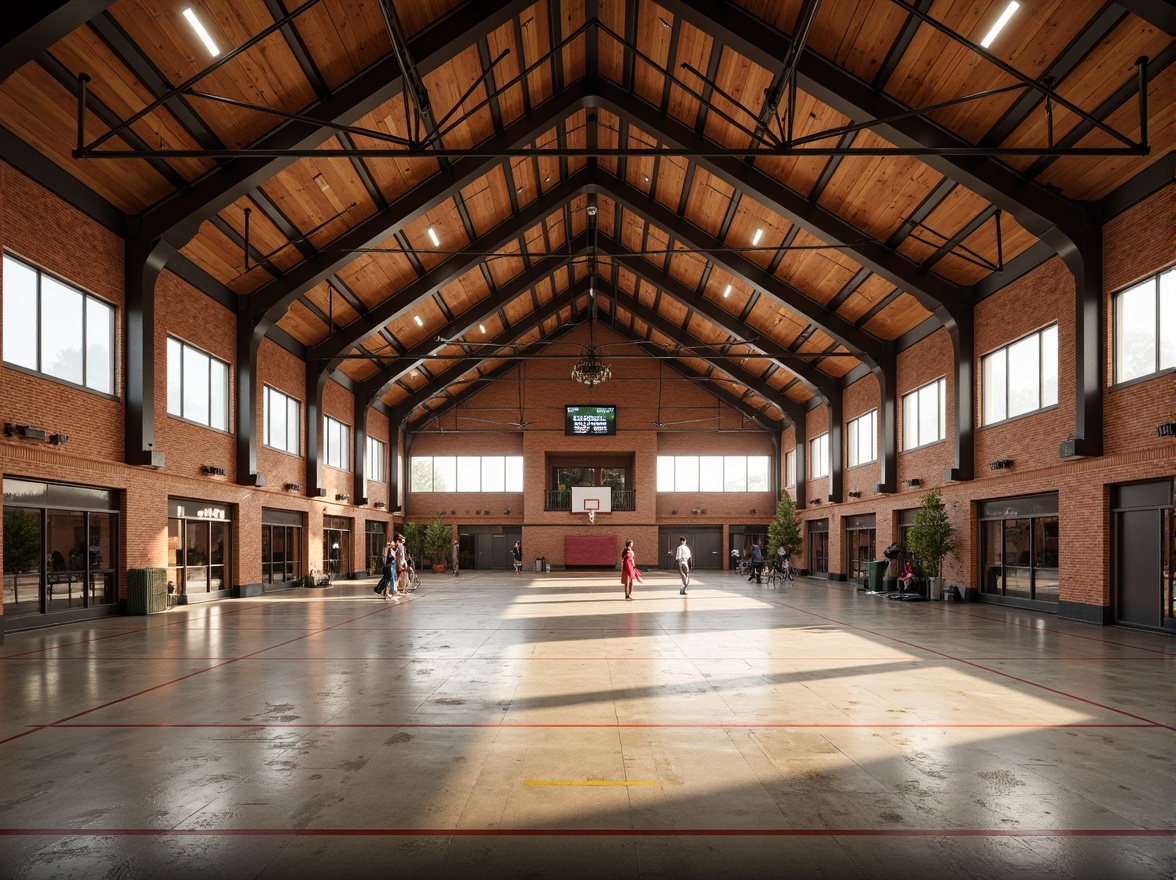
x,y
414,579
781,571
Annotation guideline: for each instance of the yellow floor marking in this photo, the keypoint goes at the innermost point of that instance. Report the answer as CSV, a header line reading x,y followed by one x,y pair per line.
x,y
591,782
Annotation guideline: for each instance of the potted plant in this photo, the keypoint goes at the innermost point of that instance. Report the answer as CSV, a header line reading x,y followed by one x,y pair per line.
x,y
932,539
414,541
438,538
784,530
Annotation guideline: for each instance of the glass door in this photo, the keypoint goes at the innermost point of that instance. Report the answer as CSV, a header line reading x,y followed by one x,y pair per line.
x,y
859,549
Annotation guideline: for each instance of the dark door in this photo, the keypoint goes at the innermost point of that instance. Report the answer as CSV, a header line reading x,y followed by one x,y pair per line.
x,y
1138,571
705,542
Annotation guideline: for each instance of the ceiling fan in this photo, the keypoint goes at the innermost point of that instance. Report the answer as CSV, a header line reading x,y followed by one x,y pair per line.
x,y
658,423
522,420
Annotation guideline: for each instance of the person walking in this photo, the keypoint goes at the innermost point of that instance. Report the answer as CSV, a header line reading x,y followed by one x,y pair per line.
x,y
456,560
389,561
682,557
757,563
629,571
401,567
517,553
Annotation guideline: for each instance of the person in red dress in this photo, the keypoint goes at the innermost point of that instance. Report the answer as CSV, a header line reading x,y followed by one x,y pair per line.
x,y
629,571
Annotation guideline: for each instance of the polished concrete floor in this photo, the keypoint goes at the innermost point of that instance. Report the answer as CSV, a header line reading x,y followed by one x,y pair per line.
x,y
492,726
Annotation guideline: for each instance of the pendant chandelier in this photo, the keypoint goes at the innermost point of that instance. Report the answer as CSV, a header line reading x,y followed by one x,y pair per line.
x,y
591,370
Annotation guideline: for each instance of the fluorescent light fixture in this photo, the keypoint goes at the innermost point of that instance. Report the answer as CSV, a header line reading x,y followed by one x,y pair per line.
x,y
755,239
1000,23
417,318
727,292
201,32
482,327
433,237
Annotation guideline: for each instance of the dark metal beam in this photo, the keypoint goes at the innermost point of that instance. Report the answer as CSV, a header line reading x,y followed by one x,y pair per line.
x,y
445,272
31,28
178,217
377,384
1160,13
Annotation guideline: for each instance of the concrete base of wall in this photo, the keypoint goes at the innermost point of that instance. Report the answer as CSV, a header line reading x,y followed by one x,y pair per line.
x,y
1080,611
247,591
197,598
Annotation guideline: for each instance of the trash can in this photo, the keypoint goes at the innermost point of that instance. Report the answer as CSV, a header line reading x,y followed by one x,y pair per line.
x,y
875,571
538,563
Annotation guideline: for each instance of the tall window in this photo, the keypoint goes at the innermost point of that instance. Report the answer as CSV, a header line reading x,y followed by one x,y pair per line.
x,y
197,386
1145,327
1020,378
336,443
467,473
713,473
924,415
376,460
57,330
862,439
790,468
283,421
819,457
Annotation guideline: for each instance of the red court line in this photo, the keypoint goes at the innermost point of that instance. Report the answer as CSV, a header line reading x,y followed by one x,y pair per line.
x,y
584,832
975,665
606,725
183,677
467,658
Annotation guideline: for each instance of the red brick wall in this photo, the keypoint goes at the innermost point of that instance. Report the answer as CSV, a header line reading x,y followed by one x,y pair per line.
x,y
1136,245
1043,297
49,233
858,399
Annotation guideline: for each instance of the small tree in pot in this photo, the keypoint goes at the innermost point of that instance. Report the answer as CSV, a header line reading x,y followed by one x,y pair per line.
x,y
785,529
932,538
414,541
438,538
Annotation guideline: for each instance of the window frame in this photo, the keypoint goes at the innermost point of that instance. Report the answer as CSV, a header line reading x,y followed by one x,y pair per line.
x,y
513,468
853,433
667,469
343,461
184,348
268,392
1156,279
1040,335
819,442
790,468
375,459
913,394
88,299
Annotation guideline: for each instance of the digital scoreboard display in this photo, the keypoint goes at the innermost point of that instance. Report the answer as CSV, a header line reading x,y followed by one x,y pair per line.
x,y
600,420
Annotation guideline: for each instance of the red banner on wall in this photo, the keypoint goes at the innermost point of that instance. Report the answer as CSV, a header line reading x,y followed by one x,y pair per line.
x,y
595,550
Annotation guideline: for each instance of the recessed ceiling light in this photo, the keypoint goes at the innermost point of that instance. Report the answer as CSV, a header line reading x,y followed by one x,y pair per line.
x,y
433,237
414,372
647,178
665,23
482,327
417,318
755,239
727,292
1000,23
203,34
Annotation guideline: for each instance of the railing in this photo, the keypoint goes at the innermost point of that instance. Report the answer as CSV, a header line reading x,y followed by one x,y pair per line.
x,y
557,499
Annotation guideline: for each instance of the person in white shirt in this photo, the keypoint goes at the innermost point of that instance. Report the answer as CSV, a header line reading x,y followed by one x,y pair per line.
x,y
682,557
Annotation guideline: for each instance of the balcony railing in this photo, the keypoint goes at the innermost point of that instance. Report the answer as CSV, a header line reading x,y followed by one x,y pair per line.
x,y
556,499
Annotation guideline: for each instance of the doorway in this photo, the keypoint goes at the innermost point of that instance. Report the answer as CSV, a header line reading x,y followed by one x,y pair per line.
x,y
705,543
818,546
1145,554
859,545
337,547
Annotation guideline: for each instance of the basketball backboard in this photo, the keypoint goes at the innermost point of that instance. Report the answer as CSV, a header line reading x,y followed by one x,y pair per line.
x,y
597,499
